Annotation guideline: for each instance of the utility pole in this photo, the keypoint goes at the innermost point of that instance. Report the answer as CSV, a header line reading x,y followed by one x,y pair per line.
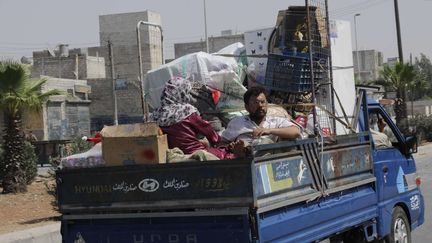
x,y
205,27
399,39
76,67
356,46
111,57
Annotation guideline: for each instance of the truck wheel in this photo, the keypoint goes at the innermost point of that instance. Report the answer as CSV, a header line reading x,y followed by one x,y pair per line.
x,y
400,229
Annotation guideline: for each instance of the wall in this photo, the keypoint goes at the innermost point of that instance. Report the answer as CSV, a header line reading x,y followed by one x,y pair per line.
x,y
95,67
66,67
67,120
66,117
371,62
33,121
421,107
102,106
120,29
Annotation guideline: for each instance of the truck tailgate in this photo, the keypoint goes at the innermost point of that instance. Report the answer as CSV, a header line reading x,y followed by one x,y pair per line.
x,y
227,228
160,186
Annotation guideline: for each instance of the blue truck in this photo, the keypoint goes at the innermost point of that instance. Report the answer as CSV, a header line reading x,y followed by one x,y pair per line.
x,y
339,189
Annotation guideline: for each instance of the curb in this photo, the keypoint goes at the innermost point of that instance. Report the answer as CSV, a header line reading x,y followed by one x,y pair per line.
x,y
44,234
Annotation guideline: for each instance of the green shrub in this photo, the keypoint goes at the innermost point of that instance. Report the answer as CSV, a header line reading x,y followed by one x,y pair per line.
x,y
76,146
29,163
422,127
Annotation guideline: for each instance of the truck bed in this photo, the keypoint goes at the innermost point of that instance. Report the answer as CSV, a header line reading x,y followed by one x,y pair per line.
x,y
254,199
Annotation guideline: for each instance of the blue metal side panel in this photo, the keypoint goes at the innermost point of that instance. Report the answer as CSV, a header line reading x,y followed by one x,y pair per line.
x,y
393,189
313,221
412,201
209,229
395,162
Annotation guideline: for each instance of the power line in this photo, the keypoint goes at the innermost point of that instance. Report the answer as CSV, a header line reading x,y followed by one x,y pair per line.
x,y
357,8
348,7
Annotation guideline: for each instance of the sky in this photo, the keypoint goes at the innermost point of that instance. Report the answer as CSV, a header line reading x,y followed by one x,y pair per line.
x,y
33,25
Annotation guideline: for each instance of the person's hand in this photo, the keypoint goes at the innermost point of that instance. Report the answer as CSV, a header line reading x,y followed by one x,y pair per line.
x,y
381,124
258,132
205,142
237,143
238,148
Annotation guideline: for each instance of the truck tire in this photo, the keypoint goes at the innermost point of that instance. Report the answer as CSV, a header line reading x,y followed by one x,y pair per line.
x,y
354,236
400,231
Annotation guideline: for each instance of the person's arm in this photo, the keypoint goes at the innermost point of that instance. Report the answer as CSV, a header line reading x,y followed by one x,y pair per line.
x,y
283,129
203,127
291,132
233,130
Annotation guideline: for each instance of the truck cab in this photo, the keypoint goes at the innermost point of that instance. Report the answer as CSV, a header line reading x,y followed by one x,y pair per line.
x,y
398,189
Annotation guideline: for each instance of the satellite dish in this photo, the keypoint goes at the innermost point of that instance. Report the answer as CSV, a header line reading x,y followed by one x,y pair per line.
x,y
25,60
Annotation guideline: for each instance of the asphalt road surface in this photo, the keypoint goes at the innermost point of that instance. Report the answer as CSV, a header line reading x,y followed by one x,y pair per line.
x,y
423,158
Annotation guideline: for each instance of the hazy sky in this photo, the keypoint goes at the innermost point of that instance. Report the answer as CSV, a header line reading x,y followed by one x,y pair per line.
x,y
29,25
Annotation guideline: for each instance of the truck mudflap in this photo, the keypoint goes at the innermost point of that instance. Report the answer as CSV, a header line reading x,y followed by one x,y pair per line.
x,y
184,229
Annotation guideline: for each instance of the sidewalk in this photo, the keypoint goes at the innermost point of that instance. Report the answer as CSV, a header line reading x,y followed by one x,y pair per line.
x,y
44,234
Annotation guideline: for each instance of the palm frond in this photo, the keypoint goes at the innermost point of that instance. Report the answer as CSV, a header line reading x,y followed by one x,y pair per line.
x,y
12,75
22,92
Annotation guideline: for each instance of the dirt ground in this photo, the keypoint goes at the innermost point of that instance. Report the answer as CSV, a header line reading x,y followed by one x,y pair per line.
x,y
28,210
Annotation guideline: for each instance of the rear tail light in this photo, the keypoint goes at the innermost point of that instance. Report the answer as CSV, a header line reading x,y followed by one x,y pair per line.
x,y
418,180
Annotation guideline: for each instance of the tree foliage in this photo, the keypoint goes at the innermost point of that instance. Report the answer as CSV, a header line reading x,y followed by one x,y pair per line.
x,y
18,92
29,164
423,69
400,78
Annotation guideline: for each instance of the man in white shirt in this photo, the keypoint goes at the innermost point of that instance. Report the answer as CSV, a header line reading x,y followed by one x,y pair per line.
x,y
257,126
380,139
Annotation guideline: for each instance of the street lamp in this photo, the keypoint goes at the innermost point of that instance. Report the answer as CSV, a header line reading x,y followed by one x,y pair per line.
x,y
356,44
141,75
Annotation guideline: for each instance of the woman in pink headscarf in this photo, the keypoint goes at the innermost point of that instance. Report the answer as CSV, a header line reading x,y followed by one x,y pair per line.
x,y
182,122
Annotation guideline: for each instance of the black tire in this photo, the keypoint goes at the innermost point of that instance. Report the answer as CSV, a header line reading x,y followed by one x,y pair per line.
x,y
354,236
400,231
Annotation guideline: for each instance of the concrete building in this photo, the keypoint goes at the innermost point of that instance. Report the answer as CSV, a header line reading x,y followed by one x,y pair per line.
x,y
94,64
67,116
215,44
63,116
392,61
69,64
120,30
368,65
419,107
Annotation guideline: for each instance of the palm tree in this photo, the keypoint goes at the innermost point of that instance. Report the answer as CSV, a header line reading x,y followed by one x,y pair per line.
x,y
17,92
400,77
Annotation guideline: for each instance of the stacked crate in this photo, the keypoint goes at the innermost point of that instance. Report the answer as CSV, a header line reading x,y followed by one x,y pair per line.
x,y
299,60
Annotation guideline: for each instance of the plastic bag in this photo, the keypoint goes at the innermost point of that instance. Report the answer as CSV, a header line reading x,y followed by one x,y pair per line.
x,y
90,158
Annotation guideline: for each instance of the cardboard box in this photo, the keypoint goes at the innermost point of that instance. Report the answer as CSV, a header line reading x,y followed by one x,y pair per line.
x,y
139,143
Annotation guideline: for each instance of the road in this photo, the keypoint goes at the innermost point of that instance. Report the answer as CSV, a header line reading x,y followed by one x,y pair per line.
x,y
424,169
